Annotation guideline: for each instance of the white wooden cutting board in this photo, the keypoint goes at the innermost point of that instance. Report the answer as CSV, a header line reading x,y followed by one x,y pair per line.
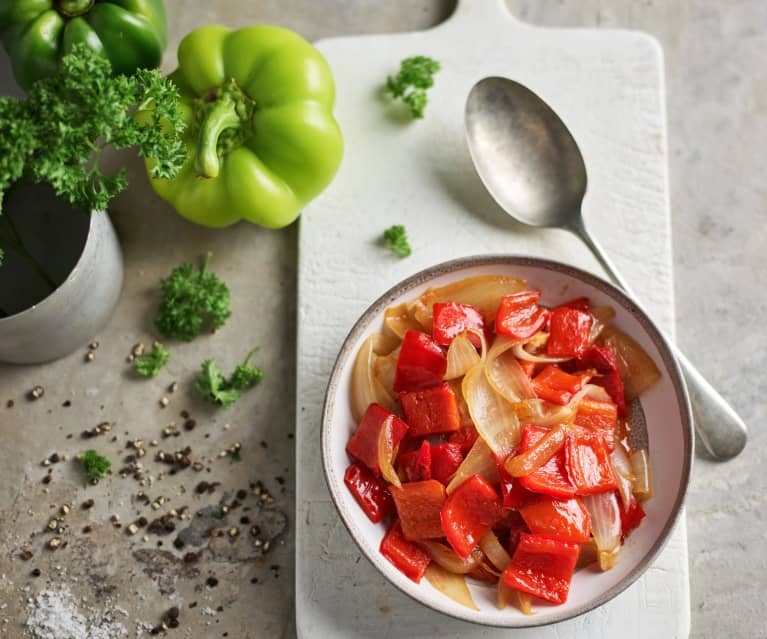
x,y
608,87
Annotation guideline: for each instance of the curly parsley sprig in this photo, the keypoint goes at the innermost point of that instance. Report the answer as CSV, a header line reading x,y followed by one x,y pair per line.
x,y
395,239
415,76
150,364
59,132
213,387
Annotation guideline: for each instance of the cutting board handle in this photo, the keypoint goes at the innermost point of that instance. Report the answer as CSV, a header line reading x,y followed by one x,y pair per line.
x,y
480,12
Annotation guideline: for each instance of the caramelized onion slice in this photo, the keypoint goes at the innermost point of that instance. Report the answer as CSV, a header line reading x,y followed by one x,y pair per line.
x,y
504,373
521,353
484,292
604,513
642,471
365,387
386,453
531,460
525,603
446,557
588,555
450,584
637,369
397,321
494,551
479,461
623,472
461,356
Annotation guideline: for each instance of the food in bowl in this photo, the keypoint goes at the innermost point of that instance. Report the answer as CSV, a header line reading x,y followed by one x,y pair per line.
x,y
493,439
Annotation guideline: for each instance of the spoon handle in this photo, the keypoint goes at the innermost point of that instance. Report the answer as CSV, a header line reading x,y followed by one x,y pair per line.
x,y
720,428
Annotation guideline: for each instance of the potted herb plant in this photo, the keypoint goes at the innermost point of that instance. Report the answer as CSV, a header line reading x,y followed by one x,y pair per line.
x,y
61,268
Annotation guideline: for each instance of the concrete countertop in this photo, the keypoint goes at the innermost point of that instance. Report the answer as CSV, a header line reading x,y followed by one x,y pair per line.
x,y
717,111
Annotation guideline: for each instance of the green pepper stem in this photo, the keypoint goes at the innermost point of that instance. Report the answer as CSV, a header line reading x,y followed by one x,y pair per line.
x,y
74,8
222,116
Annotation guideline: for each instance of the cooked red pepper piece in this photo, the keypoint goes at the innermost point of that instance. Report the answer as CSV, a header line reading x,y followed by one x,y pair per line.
x,y
569,332
579,304
430,411
419,505
452,319
588,463
416,465
543,566
632,516
519,315
563,518
465,438
409,559
598,417
556,386
551,478
363,445
602,359
517,528
445,460
421,363
370,492
513,493
530,368
469,512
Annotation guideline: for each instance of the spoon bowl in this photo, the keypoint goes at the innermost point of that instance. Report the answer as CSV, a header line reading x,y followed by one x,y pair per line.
x,y
531,165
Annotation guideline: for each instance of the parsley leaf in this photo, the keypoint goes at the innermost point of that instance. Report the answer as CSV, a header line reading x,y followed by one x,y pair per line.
x,y
94,465
395,238
58,133
149,365
193,300
416,74
213,387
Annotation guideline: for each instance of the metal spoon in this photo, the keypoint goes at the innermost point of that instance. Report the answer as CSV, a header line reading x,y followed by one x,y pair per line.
x,y
531,165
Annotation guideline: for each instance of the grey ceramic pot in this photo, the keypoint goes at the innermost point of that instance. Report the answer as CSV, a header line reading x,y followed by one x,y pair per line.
x,y
78,308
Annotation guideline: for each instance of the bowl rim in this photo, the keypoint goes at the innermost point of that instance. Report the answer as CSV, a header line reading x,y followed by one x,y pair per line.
x,y
654,333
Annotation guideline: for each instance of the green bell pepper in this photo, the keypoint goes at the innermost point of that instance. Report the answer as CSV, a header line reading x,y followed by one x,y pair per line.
x,y
260,129
38,33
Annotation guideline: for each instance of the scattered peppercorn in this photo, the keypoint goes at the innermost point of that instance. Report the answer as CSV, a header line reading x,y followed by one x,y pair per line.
x,y
36,393
211,582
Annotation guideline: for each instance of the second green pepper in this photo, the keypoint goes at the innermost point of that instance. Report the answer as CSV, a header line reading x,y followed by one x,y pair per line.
x,y
261,137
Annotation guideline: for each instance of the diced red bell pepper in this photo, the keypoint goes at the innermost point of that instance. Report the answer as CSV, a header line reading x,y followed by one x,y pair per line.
x,y
598,417
588,463
530,368
465,438
551,478
579,304
632,516
519,315
363,445
451,319
513,493
563,518
556,386
421,363
419,505
408,558
416,465
445,460
569,332
603,361
543,566
469,512
370,492
430,411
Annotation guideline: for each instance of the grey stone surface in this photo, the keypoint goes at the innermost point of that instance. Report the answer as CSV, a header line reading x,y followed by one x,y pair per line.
x,y
717,105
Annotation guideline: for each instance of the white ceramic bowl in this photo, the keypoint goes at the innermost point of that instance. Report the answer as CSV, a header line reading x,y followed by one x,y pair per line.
x,y
665,405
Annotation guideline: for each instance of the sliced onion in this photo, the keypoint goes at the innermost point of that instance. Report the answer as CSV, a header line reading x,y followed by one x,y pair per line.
x,y
587,555
504,373
505,594
494,551
605,516
525,603
642,470
479,461
623,472
365,388
461,356
484,292
494,416
531,460
446,557
598,393
397,320
386,453
384,369
463,409
637,369
521,353
450,584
